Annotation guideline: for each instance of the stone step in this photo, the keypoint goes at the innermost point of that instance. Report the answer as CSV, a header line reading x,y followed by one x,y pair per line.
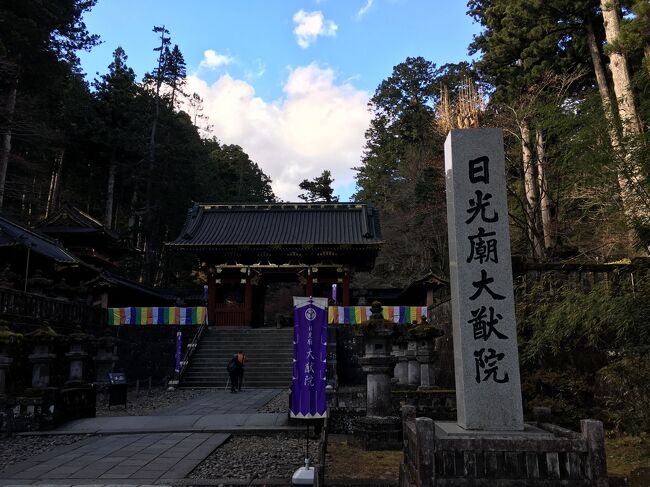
x,y
271,352
267,365
252,357
213,370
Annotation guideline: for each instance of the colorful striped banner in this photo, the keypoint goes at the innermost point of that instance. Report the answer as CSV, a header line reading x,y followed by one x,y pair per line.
x,y
354,315
157,316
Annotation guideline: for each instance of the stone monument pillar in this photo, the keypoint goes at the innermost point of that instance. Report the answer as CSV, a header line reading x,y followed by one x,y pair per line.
x,y
490,444
486,360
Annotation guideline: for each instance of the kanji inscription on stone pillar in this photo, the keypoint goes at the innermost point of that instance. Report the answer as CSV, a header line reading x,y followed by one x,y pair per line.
x,y
488,387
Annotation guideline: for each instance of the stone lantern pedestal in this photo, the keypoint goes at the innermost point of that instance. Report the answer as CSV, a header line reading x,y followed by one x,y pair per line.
x,y
5,362
426,356
378,430
77,356
105,359
7,339
413,366
400,373
41,359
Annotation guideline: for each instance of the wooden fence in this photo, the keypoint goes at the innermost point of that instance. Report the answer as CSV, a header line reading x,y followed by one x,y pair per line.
x,y
229,314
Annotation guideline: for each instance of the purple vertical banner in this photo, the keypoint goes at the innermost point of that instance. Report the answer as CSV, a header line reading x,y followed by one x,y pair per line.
x,y
334,293
308,400
179,341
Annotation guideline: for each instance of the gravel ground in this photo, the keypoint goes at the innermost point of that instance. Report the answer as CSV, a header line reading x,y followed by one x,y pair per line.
x,y
147,402
279,404
19,448
264,457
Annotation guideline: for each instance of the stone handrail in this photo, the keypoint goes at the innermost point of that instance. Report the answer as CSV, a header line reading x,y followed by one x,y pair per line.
x,y
189,351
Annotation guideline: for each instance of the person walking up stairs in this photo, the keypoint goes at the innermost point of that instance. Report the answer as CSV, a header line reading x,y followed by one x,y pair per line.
x,y
241,360
233,371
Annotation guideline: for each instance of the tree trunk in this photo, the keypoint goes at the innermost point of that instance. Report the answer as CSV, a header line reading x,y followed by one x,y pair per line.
x,y
55,184
6,137
620,72
110,192
630,176
131,224
625,184
603,89
531,190
544,197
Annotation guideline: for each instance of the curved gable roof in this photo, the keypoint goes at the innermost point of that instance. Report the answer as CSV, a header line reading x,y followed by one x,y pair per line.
x,y
12,234
280,224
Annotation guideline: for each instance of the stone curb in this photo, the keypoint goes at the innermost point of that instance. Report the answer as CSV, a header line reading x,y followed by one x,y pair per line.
x,y
236,430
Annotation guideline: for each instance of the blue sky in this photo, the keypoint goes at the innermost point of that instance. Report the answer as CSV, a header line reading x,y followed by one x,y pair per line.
x,y
287,80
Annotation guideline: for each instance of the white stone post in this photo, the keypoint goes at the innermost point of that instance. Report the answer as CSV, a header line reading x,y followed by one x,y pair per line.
x,y
488,387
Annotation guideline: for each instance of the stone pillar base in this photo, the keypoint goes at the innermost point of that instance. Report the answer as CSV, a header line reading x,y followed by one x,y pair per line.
x,y
446,455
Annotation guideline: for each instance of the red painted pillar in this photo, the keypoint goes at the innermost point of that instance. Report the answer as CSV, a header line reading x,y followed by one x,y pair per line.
x,y
346,289
212,299
248,302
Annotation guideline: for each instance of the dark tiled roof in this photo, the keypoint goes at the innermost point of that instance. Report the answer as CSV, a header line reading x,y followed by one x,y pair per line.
x,y
111,279
280,224
70,219
13,234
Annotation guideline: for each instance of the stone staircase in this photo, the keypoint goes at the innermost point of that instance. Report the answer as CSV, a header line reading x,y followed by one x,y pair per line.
x,y
269,350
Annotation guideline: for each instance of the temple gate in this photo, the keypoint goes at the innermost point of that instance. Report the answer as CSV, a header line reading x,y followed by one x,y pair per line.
x,y
246,250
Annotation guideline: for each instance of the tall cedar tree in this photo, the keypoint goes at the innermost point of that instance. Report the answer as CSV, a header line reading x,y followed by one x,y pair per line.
x,y
401,172
38,42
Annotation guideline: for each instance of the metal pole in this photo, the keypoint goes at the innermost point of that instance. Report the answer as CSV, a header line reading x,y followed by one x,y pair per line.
x,y
27,269
307,445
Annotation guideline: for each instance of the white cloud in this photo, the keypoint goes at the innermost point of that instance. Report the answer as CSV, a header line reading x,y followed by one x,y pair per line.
x,y
317,124
364,10
213,60
310,25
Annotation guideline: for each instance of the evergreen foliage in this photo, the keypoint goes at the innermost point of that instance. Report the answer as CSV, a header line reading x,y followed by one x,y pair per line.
x,y
120,149
582,350
318,189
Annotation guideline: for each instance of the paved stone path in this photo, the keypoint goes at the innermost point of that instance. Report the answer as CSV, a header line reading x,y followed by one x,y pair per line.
x,y
215,412
122,459
155,449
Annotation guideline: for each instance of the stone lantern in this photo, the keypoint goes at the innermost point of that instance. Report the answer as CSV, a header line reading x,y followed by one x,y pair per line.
x,y
42,357
378,430
76,356
400,373
424,334
413,366
105,358
7,339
